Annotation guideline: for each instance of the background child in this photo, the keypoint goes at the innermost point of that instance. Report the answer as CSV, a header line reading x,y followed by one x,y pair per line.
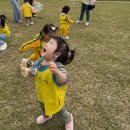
x,y
50,81
38,43
27,12
65,21
4,33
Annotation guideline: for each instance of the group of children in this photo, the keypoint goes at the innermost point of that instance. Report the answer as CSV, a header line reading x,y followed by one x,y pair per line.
x,y
51,52
28,11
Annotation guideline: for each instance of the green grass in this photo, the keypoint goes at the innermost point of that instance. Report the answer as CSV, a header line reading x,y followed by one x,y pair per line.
x,y
98,93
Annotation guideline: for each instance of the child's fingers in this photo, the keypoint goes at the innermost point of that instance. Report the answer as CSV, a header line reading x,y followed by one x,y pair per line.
x,y
51,68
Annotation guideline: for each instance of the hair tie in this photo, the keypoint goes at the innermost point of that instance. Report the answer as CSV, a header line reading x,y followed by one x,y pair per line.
x,y
52,28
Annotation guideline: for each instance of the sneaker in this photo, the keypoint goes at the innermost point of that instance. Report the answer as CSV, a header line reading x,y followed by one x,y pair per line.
x,y
31,23
42,119
3,46
69,125
66,38
78,21
20,21
87,23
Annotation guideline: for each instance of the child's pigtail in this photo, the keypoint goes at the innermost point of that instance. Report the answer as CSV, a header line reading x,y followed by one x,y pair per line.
x,y
2,20
71,56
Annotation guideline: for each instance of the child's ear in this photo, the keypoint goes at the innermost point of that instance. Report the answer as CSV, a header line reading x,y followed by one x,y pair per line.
x,y
57,54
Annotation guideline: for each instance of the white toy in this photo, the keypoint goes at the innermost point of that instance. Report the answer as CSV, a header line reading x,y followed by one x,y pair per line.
x,y
38,6
23,66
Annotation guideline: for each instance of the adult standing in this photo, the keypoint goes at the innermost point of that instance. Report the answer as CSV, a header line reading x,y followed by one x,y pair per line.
x,y
16,11
85,7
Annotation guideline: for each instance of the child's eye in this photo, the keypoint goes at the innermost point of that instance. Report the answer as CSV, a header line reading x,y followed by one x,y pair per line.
x,y
51,42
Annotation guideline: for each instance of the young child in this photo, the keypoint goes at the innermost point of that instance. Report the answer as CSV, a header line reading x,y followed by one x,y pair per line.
x,y
4,33
65,21
38,43
50,81
27,11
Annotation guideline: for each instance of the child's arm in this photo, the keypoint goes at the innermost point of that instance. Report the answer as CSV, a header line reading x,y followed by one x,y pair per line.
x,y
28,71
30,44
60,76
69,20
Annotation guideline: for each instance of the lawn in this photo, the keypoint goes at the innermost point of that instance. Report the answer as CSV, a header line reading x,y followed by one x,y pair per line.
x,y
98,93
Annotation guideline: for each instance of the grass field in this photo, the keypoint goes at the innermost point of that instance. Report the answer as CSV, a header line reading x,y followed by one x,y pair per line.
x,y
98,93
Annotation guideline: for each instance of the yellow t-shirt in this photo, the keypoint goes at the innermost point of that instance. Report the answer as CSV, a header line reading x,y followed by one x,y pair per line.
x,y
48,91
65,20
5,30
26,10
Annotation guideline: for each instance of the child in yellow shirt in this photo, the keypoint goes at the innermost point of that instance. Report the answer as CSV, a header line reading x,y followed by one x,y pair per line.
x,y
50,79
38,43
27,11
4,33
65,21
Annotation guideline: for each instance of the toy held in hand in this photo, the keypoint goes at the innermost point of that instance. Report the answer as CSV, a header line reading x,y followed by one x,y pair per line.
x,y
25,71
23,67
23,63
38,6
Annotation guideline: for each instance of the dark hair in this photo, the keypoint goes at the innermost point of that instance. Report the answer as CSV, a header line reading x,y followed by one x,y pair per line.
x,y
2,20
67,55
26,0
48,28
65,9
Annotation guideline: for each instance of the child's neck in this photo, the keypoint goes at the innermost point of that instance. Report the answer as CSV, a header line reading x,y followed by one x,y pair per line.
x,y
46,62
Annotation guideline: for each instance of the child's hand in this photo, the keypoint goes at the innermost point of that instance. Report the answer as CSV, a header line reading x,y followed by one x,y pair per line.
x,y
60,76
53,67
